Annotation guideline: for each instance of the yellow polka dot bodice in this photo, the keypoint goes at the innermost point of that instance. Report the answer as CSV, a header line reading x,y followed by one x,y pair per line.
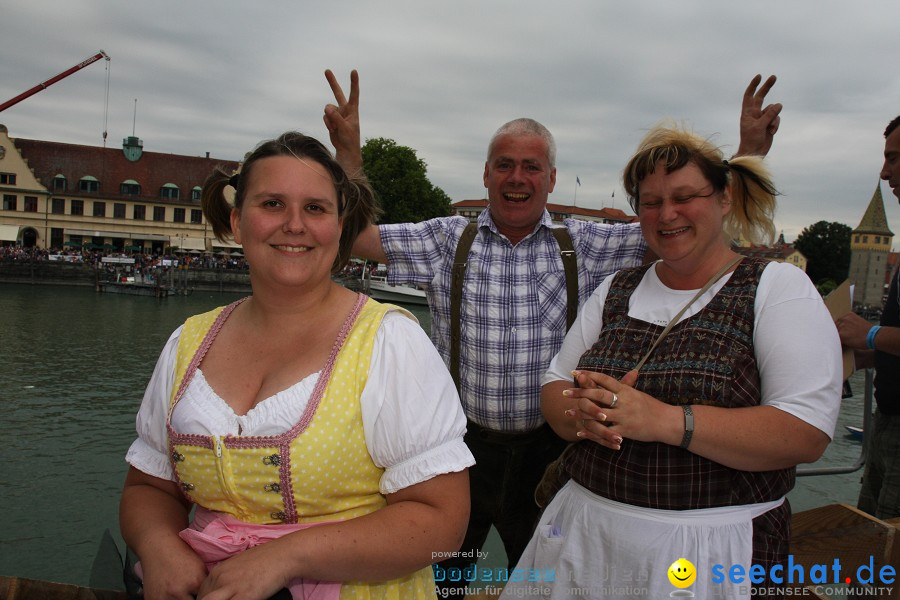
x,y
319,470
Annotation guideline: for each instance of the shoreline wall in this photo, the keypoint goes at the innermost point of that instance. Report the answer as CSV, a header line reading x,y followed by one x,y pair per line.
x,y
78,274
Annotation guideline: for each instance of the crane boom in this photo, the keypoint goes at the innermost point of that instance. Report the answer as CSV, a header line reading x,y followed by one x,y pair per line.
x,y
88,61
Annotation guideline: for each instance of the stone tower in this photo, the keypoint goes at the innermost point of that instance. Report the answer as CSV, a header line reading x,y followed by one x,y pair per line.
x,y
870,244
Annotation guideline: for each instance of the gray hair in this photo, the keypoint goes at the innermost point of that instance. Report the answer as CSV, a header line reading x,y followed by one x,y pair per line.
x,y
525,127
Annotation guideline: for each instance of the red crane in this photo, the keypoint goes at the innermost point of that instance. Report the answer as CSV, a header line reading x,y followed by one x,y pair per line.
x,y
88,61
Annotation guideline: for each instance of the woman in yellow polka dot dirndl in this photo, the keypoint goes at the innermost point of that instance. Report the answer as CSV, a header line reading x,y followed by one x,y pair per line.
x,y
316,431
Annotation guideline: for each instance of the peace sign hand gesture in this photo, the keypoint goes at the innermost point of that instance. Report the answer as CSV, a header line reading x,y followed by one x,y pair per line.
x,y
342,121
758,124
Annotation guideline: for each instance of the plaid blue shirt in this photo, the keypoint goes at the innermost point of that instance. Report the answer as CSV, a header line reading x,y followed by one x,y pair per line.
x,y
513,304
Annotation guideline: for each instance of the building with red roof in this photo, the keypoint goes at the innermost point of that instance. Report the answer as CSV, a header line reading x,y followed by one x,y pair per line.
x,y
780,251
56,194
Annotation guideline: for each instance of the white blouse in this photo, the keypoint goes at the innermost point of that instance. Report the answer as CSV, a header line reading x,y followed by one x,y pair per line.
x,y
796,344
412,419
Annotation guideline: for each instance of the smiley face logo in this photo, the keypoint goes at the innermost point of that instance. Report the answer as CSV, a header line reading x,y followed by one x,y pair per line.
x,y
682,573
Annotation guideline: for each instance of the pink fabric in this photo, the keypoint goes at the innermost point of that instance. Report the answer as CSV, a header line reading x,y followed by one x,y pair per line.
x,y
217,536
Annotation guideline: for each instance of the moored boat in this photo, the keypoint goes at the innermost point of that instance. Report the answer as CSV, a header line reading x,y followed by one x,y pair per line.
x,y
373,282
378,288
856,432
134,289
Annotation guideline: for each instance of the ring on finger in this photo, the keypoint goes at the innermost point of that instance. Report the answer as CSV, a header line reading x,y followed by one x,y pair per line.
x,y
615,400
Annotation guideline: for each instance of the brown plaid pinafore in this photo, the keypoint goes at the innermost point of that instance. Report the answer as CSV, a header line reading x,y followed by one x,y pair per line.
x,y
705,359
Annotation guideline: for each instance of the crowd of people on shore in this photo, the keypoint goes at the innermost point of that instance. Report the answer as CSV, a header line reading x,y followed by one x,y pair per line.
x,y
147,266
206,260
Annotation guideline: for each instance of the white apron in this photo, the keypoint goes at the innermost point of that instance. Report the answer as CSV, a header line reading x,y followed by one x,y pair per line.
x,y
590,547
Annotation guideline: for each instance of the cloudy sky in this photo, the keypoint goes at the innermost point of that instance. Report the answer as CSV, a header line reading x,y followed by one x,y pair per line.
x,y
440,77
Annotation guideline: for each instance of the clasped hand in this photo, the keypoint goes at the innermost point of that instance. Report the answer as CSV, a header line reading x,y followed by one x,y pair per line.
x,y
609,410
254,574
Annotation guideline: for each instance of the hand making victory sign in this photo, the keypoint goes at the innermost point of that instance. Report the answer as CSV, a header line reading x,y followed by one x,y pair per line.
x,y
342,121
758,125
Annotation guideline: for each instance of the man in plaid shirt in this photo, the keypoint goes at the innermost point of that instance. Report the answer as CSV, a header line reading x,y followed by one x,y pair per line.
x,y
513,312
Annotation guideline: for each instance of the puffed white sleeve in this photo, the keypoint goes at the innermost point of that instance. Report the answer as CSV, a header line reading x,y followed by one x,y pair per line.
x,y
798,351
149,452
580,337
412,418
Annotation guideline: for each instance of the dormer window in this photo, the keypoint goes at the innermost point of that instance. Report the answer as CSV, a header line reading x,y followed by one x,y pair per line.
x,y
89,184
196,193
59,183
130,187
169,191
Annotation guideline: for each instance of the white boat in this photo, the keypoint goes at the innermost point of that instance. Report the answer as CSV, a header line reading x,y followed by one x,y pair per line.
x,y
371,279
378,288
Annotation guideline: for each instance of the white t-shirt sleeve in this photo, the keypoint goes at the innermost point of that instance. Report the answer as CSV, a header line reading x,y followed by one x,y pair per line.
x,y
798,350
412,417
149,452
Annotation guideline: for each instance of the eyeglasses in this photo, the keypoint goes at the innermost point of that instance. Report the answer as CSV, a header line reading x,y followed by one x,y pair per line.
x,y
655,203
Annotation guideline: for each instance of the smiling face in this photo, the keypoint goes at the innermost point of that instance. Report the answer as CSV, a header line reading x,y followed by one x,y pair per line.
x,y
682,573
288,223
890,170
682,218
519,178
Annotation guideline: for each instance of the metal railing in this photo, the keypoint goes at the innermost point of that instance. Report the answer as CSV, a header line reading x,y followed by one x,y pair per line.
x,y
867,426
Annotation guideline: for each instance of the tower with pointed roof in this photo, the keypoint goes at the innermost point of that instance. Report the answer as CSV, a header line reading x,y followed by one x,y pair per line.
x,y
870,245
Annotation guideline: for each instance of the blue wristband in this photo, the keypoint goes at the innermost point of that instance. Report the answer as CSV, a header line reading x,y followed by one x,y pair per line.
x,y
870,338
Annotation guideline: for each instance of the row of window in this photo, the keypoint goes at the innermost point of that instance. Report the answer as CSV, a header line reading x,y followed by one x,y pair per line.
x,y
11,202
119,209
91,185
57,240
865,239
129,187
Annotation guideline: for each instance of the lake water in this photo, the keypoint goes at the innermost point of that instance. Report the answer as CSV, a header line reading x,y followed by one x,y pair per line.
x,y
73,366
